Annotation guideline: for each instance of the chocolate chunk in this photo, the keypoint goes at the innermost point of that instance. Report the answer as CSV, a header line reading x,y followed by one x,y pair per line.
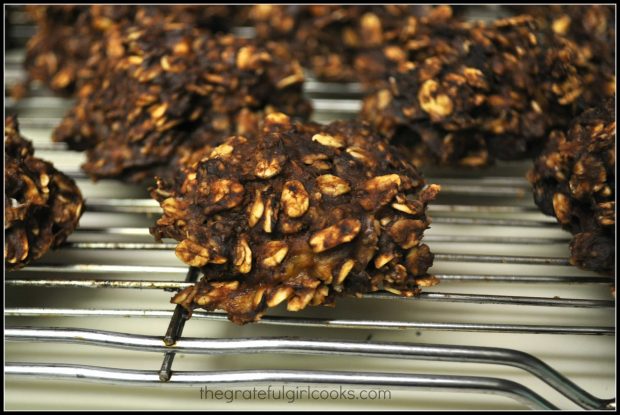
x,y
42,206
301,213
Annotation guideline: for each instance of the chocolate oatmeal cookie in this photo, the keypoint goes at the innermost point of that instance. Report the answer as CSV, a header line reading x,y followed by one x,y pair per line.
x,y
340,43
42,206
574,180
470,93
58,53
301,213
166,89
592,26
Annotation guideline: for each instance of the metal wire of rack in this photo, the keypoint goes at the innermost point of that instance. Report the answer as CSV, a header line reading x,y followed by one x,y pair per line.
x,y
476,212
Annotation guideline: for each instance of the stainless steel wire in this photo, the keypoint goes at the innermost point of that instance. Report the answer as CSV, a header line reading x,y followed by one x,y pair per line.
x,y
486,355
433,383
321,322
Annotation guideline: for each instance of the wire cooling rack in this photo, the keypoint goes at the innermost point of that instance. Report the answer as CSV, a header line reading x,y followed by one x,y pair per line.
x,y
505,283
